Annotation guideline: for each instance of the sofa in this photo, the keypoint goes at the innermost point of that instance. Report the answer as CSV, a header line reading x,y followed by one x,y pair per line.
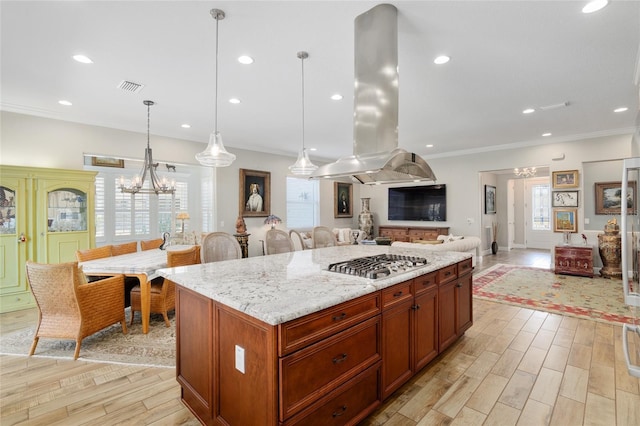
x,y
467,244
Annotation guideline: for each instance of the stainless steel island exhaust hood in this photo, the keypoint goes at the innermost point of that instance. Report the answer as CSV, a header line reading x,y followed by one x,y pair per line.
x,y
376,157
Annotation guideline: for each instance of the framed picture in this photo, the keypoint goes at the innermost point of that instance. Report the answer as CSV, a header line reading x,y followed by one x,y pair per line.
x,y
609,198
255,193
107,162
565,179
489,199
564,199
565,220
342,199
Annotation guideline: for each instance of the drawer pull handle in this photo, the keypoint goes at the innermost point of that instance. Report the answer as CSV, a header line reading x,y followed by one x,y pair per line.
x,y
415,307
397,294
459,285
446,274
339,359
339,317
342,409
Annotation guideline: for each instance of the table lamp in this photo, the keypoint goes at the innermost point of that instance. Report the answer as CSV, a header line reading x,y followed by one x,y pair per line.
x,y
272,220
182,216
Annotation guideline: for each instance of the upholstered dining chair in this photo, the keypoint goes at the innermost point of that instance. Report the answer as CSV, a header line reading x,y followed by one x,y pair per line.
x,y
278,241
218,246
93,253
163,291
151,244
71,308
125,248
323,237
298,241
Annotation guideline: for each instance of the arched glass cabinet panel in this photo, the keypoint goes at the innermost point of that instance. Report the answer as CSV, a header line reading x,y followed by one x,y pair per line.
x,y
67,210
7,210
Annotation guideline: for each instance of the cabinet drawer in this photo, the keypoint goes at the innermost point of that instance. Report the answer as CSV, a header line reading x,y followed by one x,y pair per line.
x,y
396,294
423,234
447,274
348,404
310,373
424,283
464,267
309,329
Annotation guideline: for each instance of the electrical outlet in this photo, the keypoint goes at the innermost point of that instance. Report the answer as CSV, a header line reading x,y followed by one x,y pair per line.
x,y
222,224
240,359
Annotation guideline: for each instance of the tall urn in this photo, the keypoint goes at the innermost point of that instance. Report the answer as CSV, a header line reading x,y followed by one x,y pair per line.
x,y
365,220
610,248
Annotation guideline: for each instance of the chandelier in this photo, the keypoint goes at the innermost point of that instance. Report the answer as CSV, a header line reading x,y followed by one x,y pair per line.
x,y
303,166
525,172
215,155
157,185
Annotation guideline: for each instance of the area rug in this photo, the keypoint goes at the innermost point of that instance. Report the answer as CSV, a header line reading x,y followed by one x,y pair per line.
x,y
156,348
594,298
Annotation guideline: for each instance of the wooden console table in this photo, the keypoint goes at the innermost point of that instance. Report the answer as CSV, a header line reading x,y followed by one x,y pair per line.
x,y
412,233
574,260
243,240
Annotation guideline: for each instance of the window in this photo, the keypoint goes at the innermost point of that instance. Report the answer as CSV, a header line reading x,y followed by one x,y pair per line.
x,y
541,207
303,205
100,215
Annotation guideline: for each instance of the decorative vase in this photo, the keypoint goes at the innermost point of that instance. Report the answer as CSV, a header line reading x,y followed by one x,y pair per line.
x,y
610,248
494,247
365,220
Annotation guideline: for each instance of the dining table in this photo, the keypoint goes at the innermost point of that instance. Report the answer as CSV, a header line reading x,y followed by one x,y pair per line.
x,y
142,265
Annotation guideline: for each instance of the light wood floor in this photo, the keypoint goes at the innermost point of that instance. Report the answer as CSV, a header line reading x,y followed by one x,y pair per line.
x,y
515,366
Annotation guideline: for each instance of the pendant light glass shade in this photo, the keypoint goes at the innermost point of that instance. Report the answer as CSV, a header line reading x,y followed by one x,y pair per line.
x,y
303,166
215,155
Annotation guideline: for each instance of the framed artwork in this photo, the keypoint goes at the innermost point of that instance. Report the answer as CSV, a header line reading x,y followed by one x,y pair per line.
x,y
107,162
489,199
342,199
255,193
565,179
564,199
609,199
565,220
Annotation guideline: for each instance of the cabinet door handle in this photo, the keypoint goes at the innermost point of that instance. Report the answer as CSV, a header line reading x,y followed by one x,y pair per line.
x,y
339,317
339,359
398,294
459,285
340,411
415,307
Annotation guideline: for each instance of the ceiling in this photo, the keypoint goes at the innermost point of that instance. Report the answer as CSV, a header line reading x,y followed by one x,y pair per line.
x,y
505,56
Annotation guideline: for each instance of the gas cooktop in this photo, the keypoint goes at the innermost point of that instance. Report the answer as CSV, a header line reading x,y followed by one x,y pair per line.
x,y
378,266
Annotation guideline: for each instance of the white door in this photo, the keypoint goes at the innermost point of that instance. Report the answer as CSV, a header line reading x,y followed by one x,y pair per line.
x,y
511,206
537,211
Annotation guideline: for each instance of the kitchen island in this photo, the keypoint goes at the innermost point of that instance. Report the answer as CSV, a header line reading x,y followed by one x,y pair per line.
x,y
281,340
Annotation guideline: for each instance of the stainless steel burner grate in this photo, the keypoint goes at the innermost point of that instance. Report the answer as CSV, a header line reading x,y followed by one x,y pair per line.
x,y
378,266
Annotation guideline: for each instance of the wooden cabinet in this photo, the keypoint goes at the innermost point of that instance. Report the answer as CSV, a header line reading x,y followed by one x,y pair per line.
x,y
574,260
45,216
408,234
454,303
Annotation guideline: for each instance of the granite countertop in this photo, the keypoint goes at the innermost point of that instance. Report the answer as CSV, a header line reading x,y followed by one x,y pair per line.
x,y
282,287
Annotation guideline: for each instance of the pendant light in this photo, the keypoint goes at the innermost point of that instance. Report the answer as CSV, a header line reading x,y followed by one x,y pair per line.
x,y
215,155
158,186
303,166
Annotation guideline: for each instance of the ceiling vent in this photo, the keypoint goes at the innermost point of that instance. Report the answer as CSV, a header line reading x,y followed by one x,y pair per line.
x,y
130,86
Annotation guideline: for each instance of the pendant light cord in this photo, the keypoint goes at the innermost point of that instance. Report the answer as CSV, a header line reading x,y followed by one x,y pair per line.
x,y
302,60
215,121
148,121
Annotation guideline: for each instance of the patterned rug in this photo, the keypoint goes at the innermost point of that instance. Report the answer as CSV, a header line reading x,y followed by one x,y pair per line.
x,y
156,348
594,298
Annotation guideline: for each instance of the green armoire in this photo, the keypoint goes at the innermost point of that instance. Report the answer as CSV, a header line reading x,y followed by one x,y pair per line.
x,y
45,216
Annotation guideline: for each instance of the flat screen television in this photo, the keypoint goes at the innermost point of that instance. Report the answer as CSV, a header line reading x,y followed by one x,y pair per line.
x,y
425,203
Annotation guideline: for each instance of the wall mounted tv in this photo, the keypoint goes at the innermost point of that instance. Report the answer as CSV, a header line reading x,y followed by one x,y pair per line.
x,y
426,203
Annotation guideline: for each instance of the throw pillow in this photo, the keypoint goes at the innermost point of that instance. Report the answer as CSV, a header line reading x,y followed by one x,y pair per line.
x,y
428,241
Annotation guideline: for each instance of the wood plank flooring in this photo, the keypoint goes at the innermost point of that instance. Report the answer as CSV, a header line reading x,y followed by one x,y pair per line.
x,y
515,366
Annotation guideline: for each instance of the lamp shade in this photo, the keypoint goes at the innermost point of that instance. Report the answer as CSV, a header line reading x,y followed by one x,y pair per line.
x,y
182,216
215,155
303,166
272,220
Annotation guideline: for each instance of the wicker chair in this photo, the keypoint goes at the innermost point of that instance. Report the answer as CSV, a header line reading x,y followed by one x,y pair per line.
x,y
218,246
125,248
278,241
323,237
94,253
151,244
297,240
71,308
163,292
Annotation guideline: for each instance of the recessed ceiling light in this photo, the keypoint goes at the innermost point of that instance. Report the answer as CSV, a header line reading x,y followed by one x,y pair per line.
x,y
82,59
234,100
65,103
186,126
594,6
546,134
313,149
528,111
429,145
441,60
246,60
621,109
336,97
